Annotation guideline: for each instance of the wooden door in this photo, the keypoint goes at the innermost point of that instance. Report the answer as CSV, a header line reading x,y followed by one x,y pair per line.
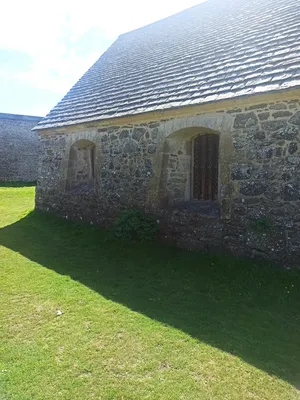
x,y
206,167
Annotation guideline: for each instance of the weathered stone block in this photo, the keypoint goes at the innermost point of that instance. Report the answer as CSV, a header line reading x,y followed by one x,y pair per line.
x,y
234,111
292,191
294,159
245,120
248,202
154,134
295,120
154,125
287,133
265,172
131,146
278,106
281,114
148,164
265,153
238,144
152,148
113,150
124,134
263,116
112,129
138,133
286,176
257,106
269,245
259,135
273,193
273,125
253,188
293,147
240,172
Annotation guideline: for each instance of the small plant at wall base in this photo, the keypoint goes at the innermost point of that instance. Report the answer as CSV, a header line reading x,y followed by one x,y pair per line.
x,y
135,225
262,225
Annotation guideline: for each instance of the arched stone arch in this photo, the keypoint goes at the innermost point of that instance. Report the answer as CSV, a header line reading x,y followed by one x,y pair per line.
x,y
214,122
81,166
177,168
169,187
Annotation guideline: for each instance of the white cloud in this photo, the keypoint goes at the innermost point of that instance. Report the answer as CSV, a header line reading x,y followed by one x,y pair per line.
x,y
50,32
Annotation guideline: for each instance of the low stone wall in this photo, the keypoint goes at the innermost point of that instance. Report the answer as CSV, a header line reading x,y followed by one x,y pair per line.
x,y
19,148
143,165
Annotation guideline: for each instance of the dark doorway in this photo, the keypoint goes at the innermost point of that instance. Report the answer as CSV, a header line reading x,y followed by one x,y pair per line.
x,y
206,167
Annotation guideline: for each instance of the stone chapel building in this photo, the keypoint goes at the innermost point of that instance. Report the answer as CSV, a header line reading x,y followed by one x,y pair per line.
x,y
194,118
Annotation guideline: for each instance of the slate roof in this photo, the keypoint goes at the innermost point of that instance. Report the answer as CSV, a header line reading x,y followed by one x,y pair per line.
x,y
220,49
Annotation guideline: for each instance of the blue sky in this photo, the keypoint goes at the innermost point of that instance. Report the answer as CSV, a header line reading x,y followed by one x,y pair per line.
x,y
45,47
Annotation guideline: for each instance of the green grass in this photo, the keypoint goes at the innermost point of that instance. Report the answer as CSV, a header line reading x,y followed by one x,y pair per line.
x,y
139,321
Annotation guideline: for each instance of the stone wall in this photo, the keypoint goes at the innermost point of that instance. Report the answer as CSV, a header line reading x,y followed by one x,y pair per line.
x,y
19,148
148,166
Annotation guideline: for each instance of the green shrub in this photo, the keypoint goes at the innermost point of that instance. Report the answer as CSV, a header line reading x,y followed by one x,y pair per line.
x,y
135,225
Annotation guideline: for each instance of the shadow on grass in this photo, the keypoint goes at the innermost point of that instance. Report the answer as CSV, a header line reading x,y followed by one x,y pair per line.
x,y
16,184
249,310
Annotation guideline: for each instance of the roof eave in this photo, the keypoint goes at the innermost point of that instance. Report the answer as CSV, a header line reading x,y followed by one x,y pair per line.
x,y
258,96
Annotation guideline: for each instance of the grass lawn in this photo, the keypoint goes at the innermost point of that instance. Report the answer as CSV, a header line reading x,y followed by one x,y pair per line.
x,y
137,321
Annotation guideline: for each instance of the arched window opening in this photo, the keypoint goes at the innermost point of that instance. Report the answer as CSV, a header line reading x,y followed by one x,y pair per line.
x,y
190,170
81,167
205,167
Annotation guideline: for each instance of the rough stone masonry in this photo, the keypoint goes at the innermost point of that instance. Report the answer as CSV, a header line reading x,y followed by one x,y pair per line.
x,y
91,172
19,148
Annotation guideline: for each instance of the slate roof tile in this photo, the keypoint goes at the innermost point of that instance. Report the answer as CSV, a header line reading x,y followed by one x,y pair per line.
x,y
220,49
